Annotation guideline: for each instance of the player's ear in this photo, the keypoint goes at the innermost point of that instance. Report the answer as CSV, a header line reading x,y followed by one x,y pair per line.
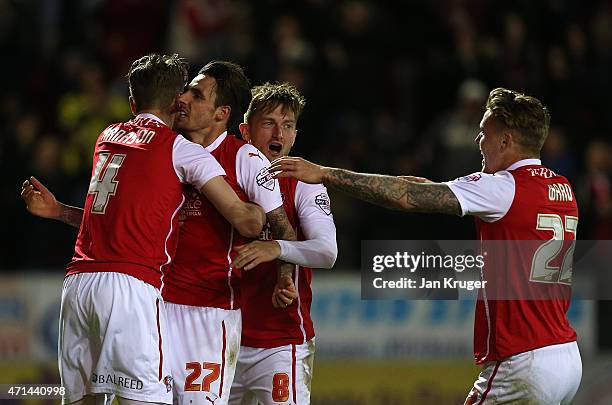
x,y
507,139
223,112
245,132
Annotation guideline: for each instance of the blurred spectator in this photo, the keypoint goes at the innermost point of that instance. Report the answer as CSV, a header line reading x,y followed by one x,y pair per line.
x,y
520,61
84,113
557,155
595,192
451,149
198,29
379,77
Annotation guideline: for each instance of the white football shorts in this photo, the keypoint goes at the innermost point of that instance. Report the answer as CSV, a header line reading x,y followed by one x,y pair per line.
x,y
113,339
280,375
548,376
207,342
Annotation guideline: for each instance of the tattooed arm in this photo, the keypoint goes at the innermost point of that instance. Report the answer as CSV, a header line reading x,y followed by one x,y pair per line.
x,y
284,290
281,229
71,215
387,191
394,192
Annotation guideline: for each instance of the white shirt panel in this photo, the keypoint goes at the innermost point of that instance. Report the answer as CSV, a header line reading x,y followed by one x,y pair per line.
x,y
487,196
255,179
524,162
193,164
320,249
151,117
217,142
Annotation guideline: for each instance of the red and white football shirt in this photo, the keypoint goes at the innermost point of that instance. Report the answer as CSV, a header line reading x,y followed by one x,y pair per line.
x,y
526,202
263,326
130,213
201,273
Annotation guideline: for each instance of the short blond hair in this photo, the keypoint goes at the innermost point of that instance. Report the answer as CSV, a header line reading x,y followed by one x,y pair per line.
x,y
268,96
525,115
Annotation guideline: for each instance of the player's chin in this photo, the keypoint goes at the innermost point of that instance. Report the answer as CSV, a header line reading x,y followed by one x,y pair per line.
x,y
272,154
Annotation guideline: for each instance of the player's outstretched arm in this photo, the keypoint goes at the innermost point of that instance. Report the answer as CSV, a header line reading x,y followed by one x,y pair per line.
x,y
387,191
247,218
42,203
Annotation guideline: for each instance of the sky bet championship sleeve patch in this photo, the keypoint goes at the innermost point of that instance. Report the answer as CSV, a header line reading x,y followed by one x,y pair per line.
x,y
472,177
264,179
322,201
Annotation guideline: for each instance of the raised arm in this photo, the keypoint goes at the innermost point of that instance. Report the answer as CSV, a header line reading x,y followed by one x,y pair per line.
x,y
247,218
387,191
42,203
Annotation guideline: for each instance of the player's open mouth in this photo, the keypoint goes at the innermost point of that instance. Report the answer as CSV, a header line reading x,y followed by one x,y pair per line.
x,y
182,113
275,147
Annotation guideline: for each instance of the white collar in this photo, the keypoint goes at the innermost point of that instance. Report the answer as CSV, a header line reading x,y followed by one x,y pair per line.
x,y
151,117
217,142
524,162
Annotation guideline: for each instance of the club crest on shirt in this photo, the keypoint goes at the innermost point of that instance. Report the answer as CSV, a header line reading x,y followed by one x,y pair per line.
x,y
264,179
472,177
322,201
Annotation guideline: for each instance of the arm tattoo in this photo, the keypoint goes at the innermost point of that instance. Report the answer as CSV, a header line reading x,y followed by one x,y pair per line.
x,y
71,215
395,193
281,229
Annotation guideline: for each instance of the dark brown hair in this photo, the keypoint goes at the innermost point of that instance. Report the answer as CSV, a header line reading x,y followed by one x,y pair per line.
x,y
232,89
155,80
525,115
268,96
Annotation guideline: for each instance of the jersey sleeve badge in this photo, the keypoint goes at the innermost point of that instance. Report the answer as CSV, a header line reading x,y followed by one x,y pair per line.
x,y
322,201
264,179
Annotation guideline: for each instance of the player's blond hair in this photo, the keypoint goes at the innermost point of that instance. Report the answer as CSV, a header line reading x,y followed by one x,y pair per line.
x,y
525,115
268,96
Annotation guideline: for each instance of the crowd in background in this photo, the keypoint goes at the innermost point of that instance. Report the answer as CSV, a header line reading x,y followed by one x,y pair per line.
x,y
391,87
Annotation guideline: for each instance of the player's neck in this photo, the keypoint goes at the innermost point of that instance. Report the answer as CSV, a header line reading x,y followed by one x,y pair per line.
x,y
206,136
518,157
166,118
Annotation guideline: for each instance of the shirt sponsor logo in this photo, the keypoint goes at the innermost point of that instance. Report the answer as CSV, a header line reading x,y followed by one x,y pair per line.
x,y
264,179
322,201
119,381
193,205
266,232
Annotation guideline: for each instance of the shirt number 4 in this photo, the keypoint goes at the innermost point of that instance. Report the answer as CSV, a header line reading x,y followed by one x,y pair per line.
x,y
103,184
